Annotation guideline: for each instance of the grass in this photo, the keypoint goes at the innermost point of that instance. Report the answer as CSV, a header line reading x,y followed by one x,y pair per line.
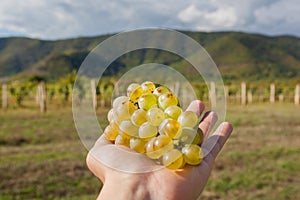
x,y
260,161
41,156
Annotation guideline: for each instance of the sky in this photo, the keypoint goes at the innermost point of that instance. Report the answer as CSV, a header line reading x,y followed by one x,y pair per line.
x,y
60,19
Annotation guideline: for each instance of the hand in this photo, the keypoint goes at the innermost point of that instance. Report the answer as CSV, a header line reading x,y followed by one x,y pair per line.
x,y
163,183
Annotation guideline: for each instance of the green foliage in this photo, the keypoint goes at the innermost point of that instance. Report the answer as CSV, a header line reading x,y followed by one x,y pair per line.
x,y
19,90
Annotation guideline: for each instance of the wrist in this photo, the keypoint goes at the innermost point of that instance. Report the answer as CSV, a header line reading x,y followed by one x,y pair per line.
x,y
125,187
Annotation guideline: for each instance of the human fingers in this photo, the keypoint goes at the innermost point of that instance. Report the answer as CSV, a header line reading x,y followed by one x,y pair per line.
x,y
208,121
196,106
213,145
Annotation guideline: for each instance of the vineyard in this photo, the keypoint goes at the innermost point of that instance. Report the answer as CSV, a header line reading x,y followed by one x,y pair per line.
x,y
43,157
36,93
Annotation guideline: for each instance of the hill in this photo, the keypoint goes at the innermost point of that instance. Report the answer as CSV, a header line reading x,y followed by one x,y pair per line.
x,y
237,55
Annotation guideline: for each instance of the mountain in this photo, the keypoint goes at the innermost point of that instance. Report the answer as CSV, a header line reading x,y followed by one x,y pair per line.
x,y
238,56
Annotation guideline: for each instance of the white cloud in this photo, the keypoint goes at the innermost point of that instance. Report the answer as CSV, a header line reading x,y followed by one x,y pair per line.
x,y
71,18
222,16
282,15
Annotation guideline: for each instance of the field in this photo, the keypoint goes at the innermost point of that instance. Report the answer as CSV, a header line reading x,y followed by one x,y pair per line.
x,y
41,156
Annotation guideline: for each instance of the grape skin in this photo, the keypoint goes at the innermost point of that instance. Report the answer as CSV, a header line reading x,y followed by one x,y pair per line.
x,y
188,119
147,131
167,99
131,88
173,112
148,87
160,90
123,111
155,116
121,140
136,94
172,128
158,146
110,115
118,101
110,133
190,136
138,117
137,144
173,159
128,128
192,154
147,101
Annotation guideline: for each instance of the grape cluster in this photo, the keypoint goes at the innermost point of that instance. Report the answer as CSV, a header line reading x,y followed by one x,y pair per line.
x,y
150,121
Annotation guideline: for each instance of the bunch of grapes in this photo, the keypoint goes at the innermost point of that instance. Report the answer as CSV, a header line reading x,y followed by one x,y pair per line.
x,y
150,121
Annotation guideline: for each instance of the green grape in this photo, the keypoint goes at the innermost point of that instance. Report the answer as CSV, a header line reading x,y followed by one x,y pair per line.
x,y
158,146
155,116
131,88
173,159
167,99
110,132
137,144
149,147
188,119
160,90
163,142
190,136
121,140
118,101
135,92
128,128
110,115
173,112
192,154
147,101
147,131
114,125
124,110
171,128
161,126
201,135
138,117
149,120
148,87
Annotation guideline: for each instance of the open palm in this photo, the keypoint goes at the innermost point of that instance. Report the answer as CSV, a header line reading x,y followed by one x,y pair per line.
x,y
159,183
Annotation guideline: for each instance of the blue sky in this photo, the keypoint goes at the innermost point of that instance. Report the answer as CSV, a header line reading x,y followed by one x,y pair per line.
x,y
58,19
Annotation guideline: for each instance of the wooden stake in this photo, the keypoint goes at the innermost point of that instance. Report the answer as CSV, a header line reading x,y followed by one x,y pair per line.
x,y
243,94
4,96
94,93
297,94
272,93
213,98
42,97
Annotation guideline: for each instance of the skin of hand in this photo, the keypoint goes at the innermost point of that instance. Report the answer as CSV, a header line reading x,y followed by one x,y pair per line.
x,y
163,184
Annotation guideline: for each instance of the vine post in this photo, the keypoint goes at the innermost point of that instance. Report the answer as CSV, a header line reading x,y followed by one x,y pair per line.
x,y
4,97
94,93
297,94
42,96
243,94
272,93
